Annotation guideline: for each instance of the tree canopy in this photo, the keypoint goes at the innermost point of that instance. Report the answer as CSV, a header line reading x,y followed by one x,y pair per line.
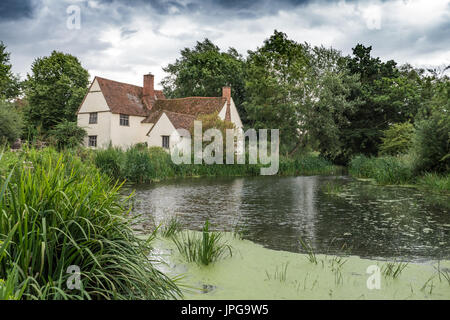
x,y
55,89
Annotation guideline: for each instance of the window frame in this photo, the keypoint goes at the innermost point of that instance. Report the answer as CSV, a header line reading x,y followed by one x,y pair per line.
x,y
91,114
93,145
124,120
168,142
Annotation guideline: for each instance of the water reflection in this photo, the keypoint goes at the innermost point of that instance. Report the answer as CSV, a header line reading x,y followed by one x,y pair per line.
x,y
361,219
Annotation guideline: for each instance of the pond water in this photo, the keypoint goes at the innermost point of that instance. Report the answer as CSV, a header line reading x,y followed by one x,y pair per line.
x,y
335,215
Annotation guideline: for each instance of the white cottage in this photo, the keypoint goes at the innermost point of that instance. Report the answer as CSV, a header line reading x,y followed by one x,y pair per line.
x,y
122,114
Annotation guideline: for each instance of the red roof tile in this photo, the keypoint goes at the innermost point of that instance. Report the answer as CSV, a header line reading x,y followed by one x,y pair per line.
x,y
126,98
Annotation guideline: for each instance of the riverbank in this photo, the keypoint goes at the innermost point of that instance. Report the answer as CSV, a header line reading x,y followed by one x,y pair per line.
x,y
399,171
255,272
140,164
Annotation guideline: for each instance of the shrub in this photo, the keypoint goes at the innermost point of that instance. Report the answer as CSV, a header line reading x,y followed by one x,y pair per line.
x,y
11,123
397,139
431,143
67,135
64,213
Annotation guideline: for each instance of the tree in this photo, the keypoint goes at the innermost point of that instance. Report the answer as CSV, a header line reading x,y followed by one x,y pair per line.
x,y
203,71
331,86
55,89
11,123
276,86
431,142
9,83
397,139
67,135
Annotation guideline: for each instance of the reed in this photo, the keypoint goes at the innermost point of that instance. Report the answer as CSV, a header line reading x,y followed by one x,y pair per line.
x,y
393,269
56,211
171,227
204,248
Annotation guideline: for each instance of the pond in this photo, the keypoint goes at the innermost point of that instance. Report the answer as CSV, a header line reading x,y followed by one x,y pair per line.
x,y
335,215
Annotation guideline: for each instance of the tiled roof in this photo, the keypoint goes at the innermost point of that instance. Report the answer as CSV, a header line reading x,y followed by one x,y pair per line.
x,y
179,120
126,98
193,106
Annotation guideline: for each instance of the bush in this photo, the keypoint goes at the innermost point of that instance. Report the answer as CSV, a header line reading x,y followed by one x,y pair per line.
x,y
397,139
431,143
63,212
67,135
11,123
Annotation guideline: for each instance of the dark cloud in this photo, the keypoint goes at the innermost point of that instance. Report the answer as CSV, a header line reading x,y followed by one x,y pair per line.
x,y
16,9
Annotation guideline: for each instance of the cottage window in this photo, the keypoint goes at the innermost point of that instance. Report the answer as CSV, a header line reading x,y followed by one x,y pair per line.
x,y
92,141
124,120
165,142
93,116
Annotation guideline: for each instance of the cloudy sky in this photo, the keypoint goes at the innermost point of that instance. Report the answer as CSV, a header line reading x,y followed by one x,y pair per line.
x,y
122,40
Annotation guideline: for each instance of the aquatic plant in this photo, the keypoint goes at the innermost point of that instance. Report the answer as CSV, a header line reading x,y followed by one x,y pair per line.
x,y
279,274
204,248
393,269
171,227
309,251
59,212
332,188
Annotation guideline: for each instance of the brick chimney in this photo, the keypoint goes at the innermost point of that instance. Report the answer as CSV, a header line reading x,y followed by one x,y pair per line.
x,y
149,86
226,93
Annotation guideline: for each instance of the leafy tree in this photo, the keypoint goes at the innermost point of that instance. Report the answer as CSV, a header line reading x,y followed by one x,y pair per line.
x,y
55,89
203,71
331,88
9,83
276,84
431,142
386,97
67,135
397,139
11,123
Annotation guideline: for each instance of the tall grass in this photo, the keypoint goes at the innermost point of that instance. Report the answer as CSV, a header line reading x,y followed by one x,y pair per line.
x,y
57,212
434,181
202,249
139,164
385,170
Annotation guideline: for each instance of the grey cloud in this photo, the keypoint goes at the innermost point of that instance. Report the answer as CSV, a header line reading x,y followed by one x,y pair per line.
x,y
13,9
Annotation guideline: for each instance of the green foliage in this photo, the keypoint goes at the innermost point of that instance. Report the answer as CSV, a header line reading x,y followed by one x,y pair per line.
x,y
110,161
397,139
276,86
203,71
202,249
431,143
67,135
385,170
170,227
9,83
332,85
387,96
61,212
11,123
55,90
435,182
142,164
